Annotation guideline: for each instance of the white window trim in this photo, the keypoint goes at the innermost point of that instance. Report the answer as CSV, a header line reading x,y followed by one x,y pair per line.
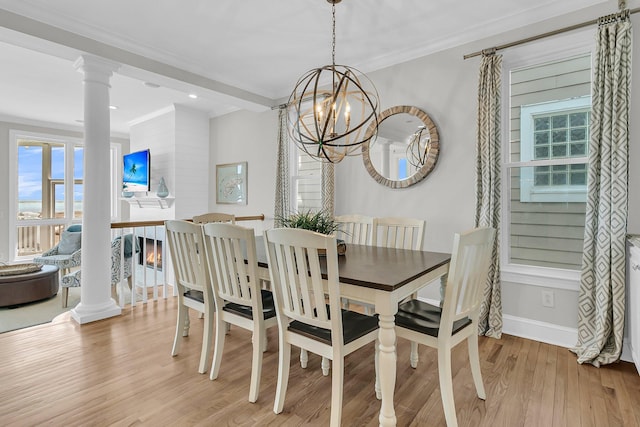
x,y
552,193
549,49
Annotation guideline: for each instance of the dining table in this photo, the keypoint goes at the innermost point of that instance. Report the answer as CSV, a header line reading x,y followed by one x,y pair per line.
x,y
382,277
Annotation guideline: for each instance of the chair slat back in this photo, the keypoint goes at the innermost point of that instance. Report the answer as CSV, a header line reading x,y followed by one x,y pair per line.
x,y
468,274
398,233
227,247
214,217
294,266
355,229
187,254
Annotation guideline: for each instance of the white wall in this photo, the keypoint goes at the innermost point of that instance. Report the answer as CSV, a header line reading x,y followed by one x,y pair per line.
x,y
252,138
445,86
178,139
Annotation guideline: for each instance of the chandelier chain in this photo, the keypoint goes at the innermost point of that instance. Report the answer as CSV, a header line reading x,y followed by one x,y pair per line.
x,y
333,34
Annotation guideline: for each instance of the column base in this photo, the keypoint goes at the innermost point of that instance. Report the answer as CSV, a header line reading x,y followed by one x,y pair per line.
x,y
83,313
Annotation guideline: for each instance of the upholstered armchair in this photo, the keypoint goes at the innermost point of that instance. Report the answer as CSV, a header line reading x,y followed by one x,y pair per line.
x,y
73,280
66,254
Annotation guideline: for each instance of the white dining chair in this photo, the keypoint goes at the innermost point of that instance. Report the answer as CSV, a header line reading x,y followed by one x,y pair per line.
x,y
214,217
304,318
457,320
398,233
354,229
238,296
191,277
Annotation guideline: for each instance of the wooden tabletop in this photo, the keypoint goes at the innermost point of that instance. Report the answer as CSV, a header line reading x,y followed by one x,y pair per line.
x,y
375,267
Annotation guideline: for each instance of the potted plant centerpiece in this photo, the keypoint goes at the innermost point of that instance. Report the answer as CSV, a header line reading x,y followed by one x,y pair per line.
x,y
320,222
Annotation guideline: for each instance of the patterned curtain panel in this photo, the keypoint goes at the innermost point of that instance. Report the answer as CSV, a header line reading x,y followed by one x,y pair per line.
x,y
488,185
282,203
602,288
328,187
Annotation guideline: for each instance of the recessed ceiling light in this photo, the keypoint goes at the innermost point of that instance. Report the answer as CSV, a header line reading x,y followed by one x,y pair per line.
x,y
113,107
151,85
193,96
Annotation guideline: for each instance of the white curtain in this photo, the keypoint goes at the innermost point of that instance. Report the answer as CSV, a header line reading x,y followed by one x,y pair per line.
x,y
601,304
488,169
283,194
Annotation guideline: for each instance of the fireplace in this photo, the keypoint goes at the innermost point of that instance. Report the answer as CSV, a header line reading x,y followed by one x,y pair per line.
x,y
152,253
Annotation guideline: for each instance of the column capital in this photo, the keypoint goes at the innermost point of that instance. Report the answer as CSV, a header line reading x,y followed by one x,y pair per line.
x,y
94,65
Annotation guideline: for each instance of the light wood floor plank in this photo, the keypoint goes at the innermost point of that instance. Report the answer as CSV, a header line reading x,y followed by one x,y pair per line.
x,y
119,372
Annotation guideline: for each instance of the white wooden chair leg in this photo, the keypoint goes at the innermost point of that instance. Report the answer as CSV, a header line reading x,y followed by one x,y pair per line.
x,y
179,324
446,386
218,348
284,358
65,297
265,341
187,323
207,334
325,366
474,360
304,358
377,366
413,358
256,364
337,378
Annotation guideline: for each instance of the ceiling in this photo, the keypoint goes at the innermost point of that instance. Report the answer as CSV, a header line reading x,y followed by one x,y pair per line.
x,y
234,54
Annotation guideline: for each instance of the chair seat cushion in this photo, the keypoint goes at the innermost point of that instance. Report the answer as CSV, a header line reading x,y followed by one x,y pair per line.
x,y
425,318
354,326
59,260
194,295
268,307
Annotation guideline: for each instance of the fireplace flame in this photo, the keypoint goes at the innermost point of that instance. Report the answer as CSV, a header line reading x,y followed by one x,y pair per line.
x,y
154,259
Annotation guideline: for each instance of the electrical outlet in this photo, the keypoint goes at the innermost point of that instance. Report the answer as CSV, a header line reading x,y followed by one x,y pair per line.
x,y
547,299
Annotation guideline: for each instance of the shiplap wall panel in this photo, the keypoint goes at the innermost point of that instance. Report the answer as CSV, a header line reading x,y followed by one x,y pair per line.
x,y
545,234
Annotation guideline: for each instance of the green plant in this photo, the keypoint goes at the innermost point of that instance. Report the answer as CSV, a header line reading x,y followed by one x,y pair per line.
x,y
319,222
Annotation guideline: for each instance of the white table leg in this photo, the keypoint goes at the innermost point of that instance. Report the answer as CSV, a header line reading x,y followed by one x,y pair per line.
x,y
387,361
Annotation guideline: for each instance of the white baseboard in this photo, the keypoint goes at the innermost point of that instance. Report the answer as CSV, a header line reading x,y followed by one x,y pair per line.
x,y
545,332
536,330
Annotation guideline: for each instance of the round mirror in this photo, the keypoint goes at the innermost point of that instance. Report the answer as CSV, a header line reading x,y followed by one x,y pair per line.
x,y
406,148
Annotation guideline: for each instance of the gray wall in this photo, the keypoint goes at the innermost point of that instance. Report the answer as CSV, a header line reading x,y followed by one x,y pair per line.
x,y
445,86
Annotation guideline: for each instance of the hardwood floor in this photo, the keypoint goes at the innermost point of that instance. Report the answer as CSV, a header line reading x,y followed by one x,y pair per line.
x,y
119,372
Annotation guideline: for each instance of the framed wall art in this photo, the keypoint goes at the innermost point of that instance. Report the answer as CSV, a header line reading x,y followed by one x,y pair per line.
x,y
231,183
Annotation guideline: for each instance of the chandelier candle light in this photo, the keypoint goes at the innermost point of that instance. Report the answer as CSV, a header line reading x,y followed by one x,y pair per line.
x,y
329,124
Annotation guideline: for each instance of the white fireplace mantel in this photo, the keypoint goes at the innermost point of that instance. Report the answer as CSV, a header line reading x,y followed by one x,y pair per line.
x,y
150,202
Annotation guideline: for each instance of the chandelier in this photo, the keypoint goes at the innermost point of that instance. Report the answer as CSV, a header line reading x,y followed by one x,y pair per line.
x,y
330,124
418,148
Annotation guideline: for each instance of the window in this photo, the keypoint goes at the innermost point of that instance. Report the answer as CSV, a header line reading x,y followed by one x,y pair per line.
x,y
306,177
551,132
545,164
47,188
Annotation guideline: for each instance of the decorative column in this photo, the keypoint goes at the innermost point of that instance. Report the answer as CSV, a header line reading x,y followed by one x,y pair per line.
x,y
95,293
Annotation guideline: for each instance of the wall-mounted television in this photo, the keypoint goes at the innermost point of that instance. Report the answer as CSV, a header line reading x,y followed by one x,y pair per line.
x,y
136,173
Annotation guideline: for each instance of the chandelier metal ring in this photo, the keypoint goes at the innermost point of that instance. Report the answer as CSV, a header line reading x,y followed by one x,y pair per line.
x,y
330,109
